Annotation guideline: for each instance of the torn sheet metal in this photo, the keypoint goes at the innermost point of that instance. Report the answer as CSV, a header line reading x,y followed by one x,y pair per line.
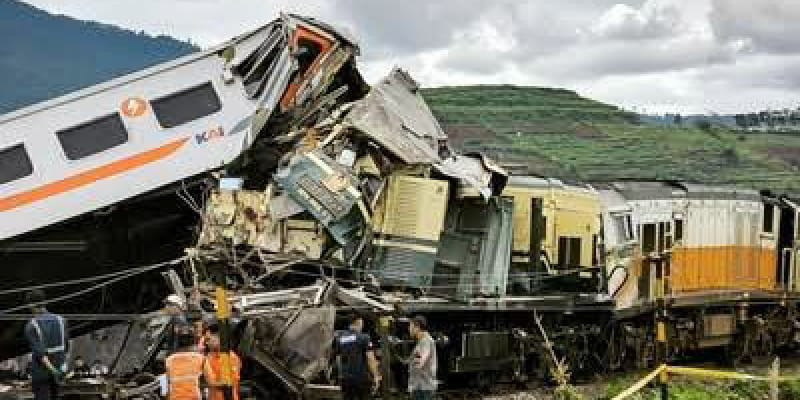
x,y
395,116
327,190
247,217
291,333
474,172
240,216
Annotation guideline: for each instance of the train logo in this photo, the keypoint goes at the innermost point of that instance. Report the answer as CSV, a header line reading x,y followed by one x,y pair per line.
x,y
211,134
133,107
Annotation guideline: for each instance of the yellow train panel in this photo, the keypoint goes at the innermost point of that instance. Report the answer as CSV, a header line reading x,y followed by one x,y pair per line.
x,y
568,212
722,267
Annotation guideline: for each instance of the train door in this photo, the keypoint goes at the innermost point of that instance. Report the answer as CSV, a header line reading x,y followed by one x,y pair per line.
x,y
788,245
537,232
769,237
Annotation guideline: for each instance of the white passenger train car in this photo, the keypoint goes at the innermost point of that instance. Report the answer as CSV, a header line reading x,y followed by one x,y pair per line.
x,y
98,146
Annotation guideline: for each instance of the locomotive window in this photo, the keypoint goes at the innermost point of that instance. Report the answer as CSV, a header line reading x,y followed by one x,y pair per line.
x,y
93,137
769,210
14,163
569,251
678,229
648,238
186,105
307,52
662,230
622,226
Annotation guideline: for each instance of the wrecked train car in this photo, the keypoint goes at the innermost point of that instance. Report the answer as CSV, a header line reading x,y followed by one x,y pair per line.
x,y
113,176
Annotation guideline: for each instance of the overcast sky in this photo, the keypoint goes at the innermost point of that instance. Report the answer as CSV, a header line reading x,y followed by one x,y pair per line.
x,y
656,55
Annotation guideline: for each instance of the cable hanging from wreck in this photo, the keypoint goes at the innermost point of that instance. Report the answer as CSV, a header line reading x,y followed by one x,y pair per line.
x,y
116,277
76,281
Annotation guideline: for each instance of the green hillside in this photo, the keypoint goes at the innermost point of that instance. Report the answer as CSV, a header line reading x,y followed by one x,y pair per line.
x,y
555,132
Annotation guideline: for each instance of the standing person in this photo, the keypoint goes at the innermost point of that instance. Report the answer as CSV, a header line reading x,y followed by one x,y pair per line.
x,y
46,334
184,369
422,366
356,359
212,369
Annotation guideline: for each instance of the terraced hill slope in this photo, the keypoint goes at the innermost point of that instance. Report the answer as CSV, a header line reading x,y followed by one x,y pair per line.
x,y
558,133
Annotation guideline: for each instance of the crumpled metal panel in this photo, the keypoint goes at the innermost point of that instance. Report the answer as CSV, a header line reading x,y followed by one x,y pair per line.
x,y
289,331
496,251
248,217
475,171
327,190
395,116
240,216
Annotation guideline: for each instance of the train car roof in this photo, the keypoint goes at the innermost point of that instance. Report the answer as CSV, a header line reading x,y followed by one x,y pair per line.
x,y
701,191
612,199
648,190
537,182
167,65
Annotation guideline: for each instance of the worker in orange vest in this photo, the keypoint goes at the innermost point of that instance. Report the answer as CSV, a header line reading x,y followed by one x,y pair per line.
x,y
213,368
184,369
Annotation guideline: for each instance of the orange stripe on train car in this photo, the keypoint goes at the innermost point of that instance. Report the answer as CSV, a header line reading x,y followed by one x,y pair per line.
x,y
722,267
90,176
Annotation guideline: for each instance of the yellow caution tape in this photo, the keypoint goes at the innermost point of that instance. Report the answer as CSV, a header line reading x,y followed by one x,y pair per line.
x,y
699,372
710,373
640,384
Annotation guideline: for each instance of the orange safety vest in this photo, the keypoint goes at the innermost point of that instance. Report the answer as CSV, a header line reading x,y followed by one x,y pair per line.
x,y
183,375
213,375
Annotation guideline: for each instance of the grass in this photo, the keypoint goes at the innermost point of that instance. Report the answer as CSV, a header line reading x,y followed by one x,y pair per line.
x,y
546,129
700,390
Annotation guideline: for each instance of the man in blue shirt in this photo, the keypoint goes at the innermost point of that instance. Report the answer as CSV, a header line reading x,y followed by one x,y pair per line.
x,y
358,367
46,334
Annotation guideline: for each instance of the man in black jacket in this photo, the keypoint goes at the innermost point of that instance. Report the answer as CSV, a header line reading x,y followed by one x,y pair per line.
x,y
358,367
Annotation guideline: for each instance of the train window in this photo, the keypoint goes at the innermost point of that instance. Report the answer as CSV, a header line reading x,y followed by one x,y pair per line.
x,y
678,229
662,232
569,252
648,237
93,137
769,211
623,228
187,105
595,250
14,163
307,52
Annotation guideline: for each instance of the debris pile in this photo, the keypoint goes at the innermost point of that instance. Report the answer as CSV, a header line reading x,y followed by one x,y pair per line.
x,y
336,193
365,204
